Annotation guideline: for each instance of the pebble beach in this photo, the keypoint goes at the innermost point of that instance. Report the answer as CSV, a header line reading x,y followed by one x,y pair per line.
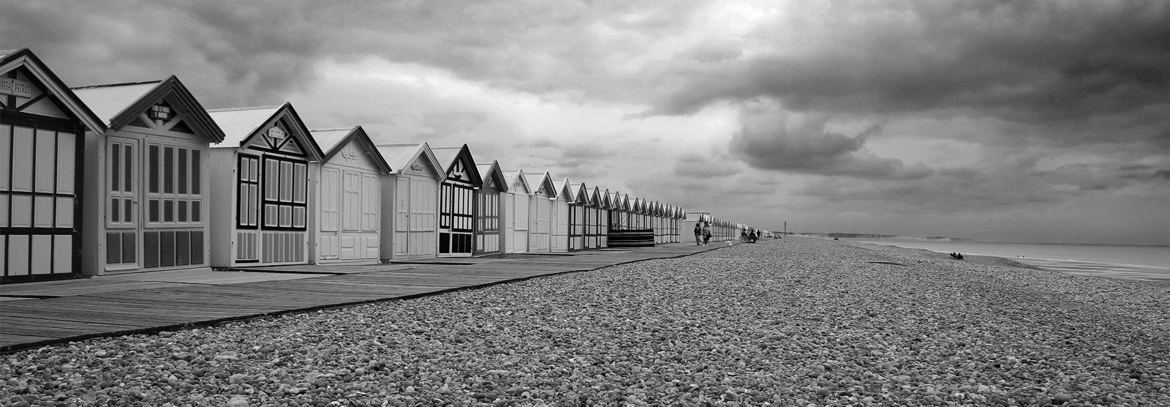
x,y
795,321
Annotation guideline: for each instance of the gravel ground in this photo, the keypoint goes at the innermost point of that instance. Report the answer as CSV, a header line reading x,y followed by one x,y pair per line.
x,y
791,322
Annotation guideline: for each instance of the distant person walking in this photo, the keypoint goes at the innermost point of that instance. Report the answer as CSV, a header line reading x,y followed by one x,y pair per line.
x,y
706,233
698,233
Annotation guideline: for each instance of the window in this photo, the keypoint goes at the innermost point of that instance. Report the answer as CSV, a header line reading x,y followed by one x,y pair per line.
x,y
173,191
285,182
249,191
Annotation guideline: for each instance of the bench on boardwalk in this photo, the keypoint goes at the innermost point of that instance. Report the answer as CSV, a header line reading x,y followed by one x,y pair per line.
x,y
631,238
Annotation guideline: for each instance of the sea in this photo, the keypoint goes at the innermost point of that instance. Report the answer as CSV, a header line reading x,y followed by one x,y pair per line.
x,y
1136,262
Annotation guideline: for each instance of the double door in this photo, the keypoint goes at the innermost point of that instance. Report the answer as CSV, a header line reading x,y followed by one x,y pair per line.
x,y
39,196
415,217
153,205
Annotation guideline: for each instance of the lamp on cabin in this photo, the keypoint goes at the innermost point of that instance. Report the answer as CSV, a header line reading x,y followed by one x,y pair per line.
x,y
160,113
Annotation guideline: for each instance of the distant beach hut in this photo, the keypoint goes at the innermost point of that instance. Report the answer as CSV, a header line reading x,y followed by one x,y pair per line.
x,y
489,214
260,177
150,170
457,198
350,196
413,218
577,198
540,210
592,218
43,167
559,221
516,217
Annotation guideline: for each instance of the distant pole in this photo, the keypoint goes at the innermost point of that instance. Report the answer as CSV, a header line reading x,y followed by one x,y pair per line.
x,y
785,228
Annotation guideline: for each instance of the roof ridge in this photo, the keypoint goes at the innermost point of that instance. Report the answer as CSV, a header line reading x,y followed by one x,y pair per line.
x,y
111,85
233,109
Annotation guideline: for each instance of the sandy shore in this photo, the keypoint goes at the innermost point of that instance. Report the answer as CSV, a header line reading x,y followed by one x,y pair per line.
x,y
790,322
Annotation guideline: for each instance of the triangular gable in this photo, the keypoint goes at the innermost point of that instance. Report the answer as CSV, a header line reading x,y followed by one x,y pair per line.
x,y
564,192
518,183
281,131
411,158
459,164
166,105
603,199
37,90
544,185
493,176
334,141
595,197
582,197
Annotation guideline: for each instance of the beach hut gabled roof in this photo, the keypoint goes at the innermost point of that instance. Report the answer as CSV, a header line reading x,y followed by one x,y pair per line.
x,y
543,185
60,95
241,125
410,156
492,174
458,164
124,103
517,178
595,197
578,194
332,141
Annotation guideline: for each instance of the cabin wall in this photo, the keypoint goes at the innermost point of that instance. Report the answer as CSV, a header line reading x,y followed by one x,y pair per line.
x,y
222,219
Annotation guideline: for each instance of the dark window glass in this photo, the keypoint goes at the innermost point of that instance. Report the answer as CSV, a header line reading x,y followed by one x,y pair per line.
x,y
154,170
182,211
129,172
182,180
168,170
115,168
168,211
195,169
115,214
195,206
153,210
126,210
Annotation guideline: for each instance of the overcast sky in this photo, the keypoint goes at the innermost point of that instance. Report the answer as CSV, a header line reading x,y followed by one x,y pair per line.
x,y
995,120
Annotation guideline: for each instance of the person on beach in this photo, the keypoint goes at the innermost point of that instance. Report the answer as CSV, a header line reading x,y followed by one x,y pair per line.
x,y
706,234
698,233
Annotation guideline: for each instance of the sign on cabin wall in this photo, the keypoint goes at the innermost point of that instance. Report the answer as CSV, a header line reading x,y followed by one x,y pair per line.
x,y
15,87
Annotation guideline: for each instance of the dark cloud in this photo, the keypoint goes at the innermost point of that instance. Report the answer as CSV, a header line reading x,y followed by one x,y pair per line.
x,y
1031,62
774,141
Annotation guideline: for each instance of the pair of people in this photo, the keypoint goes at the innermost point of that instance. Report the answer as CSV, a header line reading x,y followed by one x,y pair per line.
x,y
702,233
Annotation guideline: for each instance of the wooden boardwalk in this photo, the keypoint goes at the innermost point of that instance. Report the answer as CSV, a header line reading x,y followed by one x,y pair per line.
x,y
38,314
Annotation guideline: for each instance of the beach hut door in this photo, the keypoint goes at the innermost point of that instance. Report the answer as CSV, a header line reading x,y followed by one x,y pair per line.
x,y
122,224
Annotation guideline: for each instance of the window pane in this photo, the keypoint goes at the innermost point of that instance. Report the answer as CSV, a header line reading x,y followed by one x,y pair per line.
x,y
115,212
168,211
182,211
182,180
127,215
115,168
299,182
153,171
242,211
271,180
286,181
195,170
168,170
153,210
128,171
245,169
195,206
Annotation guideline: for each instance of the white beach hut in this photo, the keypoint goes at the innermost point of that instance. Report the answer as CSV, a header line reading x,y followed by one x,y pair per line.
x,y
516,203
489,214
42,163
263,211
559,220
415,199
149,169
540,212
350,196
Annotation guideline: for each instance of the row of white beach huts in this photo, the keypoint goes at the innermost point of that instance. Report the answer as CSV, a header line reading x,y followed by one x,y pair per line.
x,y
139,176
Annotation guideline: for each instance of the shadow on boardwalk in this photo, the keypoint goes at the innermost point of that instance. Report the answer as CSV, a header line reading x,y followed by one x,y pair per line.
x,y
38,314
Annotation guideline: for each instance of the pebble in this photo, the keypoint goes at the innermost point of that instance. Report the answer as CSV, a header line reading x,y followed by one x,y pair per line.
x,y
790,322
